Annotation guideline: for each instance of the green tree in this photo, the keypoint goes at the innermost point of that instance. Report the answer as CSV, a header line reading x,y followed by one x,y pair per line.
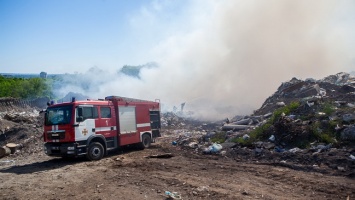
x,y
25,88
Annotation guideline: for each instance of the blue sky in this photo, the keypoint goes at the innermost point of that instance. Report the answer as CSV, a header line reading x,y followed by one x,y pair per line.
x,y
74,35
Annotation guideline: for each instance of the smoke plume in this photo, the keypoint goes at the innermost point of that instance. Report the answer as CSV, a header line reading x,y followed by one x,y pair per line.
x,y
229,56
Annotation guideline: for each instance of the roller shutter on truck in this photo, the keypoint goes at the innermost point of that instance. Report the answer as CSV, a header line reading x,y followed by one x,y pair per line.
x,y
127,119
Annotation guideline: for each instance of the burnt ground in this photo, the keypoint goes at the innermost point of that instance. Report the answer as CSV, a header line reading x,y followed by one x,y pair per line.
x,y
128,174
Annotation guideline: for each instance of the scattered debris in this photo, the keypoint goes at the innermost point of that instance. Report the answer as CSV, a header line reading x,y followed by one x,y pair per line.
x,y
166,155
173,195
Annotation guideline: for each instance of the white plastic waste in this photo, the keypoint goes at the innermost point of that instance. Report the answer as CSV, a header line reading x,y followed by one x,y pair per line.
x,y
272,138
215,148
246,137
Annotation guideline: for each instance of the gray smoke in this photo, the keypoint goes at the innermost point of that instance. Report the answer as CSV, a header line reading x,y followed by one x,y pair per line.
x,y
231,55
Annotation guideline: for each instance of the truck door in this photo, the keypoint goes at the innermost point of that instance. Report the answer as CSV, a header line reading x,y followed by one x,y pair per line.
x,y
106,126
85,121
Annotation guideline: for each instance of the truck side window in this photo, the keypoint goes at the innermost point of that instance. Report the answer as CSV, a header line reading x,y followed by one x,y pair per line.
x,y
105,112
90,113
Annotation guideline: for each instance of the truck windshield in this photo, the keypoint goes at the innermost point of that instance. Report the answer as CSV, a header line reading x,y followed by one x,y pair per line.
x,y
58,115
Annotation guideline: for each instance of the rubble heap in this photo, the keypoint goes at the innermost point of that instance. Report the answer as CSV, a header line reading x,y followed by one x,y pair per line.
x,y
339,88
22,125
305,122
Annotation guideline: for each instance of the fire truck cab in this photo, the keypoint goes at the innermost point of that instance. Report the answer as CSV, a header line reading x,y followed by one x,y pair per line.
x,y
92,128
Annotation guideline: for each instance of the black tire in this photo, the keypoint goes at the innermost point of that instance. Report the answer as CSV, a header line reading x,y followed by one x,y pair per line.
x,y
95,151
146,141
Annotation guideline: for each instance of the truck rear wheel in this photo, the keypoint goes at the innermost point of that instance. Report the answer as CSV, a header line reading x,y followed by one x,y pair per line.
x,y
95,151
146,141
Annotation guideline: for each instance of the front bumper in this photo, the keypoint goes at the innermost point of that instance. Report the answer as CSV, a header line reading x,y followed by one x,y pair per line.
x,y
65,149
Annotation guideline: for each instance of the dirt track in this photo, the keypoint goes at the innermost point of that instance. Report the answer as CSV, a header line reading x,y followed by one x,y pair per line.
x,y
129,175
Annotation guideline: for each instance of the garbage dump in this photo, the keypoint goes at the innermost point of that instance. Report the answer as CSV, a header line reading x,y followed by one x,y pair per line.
x,y
303,118
305,121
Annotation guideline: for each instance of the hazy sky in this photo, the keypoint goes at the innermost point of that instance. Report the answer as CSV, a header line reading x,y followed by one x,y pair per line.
x,y
219,55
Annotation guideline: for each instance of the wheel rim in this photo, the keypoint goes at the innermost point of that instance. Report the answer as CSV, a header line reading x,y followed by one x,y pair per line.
x,y
96,152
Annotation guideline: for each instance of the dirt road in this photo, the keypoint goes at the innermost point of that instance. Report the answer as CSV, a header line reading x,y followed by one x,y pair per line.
x,y
130,175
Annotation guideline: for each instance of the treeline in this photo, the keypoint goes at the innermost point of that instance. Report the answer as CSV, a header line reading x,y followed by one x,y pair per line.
x,y
25,88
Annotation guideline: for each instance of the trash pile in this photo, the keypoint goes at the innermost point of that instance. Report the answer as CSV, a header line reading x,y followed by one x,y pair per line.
x,y
21,128
301,112
339,88
174,123
305,121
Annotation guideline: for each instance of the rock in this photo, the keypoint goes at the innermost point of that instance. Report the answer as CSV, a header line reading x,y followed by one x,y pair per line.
x,y
348,117
294,150
223,153
202,188
258,150
280,104
341,169
268,145
4,151
348,133
193,145
246,137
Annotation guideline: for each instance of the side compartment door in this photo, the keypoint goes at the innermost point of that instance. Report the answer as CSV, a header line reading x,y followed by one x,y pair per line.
x,y
128,125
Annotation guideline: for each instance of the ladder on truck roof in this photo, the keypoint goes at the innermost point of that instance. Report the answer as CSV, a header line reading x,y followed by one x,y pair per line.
x,y
118,98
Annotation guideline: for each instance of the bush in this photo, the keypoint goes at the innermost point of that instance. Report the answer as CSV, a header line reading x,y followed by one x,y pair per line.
x,y
219,137
24,88
323,134
328,108
286,110
259,132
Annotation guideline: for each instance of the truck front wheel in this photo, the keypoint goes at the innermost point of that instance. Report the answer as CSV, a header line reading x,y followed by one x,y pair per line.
x,y
95,151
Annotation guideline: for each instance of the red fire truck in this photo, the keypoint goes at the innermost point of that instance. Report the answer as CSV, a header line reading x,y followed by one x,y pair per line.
x,y
92,128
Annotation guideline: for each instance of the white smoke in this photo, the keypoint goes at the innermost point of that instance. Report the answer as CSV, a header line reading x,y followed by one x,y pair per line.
x,y
225,58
